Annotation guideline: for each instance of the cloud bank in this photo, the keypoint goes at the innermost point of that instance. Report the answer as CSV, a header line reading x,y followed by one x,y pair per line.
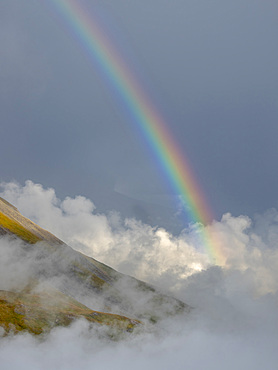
x,y
234,323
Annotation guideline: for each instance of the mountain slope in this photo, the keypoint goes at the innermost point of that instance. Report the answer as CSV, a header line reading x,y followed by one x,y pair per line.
x,y
72,282
36,313
12,221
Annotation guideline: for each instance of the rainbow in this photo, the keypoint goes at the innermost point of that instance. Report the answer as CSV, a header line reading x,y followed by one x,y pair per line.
x,y
148,120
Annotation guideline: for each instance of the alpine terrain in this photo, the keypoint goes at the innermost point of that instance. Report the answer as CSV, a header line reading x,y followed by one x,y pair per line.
x,y
53,285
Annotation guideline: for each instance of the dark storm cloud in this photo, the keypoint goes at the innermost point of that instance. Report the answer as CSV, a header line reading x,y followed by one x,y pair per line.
x,y
218,72
209,66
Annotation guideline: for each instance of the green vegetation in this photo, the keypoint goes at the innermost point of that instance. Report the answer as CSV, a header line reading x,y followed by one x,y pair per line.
x,y
16,228
38,313
87,276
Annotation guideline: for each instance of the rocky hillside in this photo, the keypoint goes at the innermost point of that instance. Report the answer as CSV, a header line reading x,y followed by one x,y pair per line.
x,y
58,284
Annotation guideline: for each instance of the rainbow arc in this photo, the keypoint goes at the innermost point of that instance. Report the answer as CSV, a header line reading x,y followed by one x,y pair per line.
x,y
145,116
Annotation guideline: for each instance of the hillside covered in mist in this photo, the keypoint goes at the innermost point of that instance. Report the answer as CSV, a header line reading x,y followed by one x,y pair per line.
x,y
77,304
45,283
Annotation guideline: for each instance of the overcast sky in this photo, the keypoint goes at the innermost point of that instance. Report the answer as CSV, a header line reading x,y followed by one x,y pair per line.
x,y
210,67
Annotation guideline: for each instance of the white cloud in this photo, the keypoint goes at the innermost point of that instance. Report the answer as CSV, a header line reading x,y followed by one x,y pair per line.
x,y
148,253
128,245
234,323
74,348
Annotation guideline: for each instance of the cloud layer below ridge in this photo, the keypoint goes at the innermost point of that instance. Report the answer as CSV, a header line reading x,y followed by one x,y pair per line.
x,y
233,325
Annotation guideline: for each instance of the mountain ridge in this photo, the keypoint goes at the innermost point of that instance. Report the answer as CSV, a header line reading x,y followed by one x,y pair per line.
x,y
117,300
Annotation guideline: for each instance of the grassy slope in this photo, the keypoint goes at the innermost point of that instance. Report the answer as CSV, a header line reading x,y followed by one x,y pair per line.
x,y
26,311
17,229
38,313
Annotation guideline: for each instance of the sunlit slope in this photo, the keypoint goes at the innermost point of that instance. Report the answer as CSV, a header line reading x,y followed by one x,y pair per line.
x,y
8,225
12,221
89,283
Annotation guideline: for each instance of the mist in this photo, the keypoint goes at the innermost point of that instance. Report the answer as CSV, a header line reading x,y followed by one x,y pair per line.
x,y
234,320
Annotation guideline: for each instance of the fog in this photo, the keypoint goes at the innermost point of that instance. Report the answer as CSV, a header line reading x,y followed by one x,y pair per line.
x,y
234,320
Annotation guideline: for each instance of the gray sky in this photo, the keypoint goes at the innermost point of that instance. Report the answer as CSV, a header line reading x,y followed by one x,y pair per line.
x,y
209,66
